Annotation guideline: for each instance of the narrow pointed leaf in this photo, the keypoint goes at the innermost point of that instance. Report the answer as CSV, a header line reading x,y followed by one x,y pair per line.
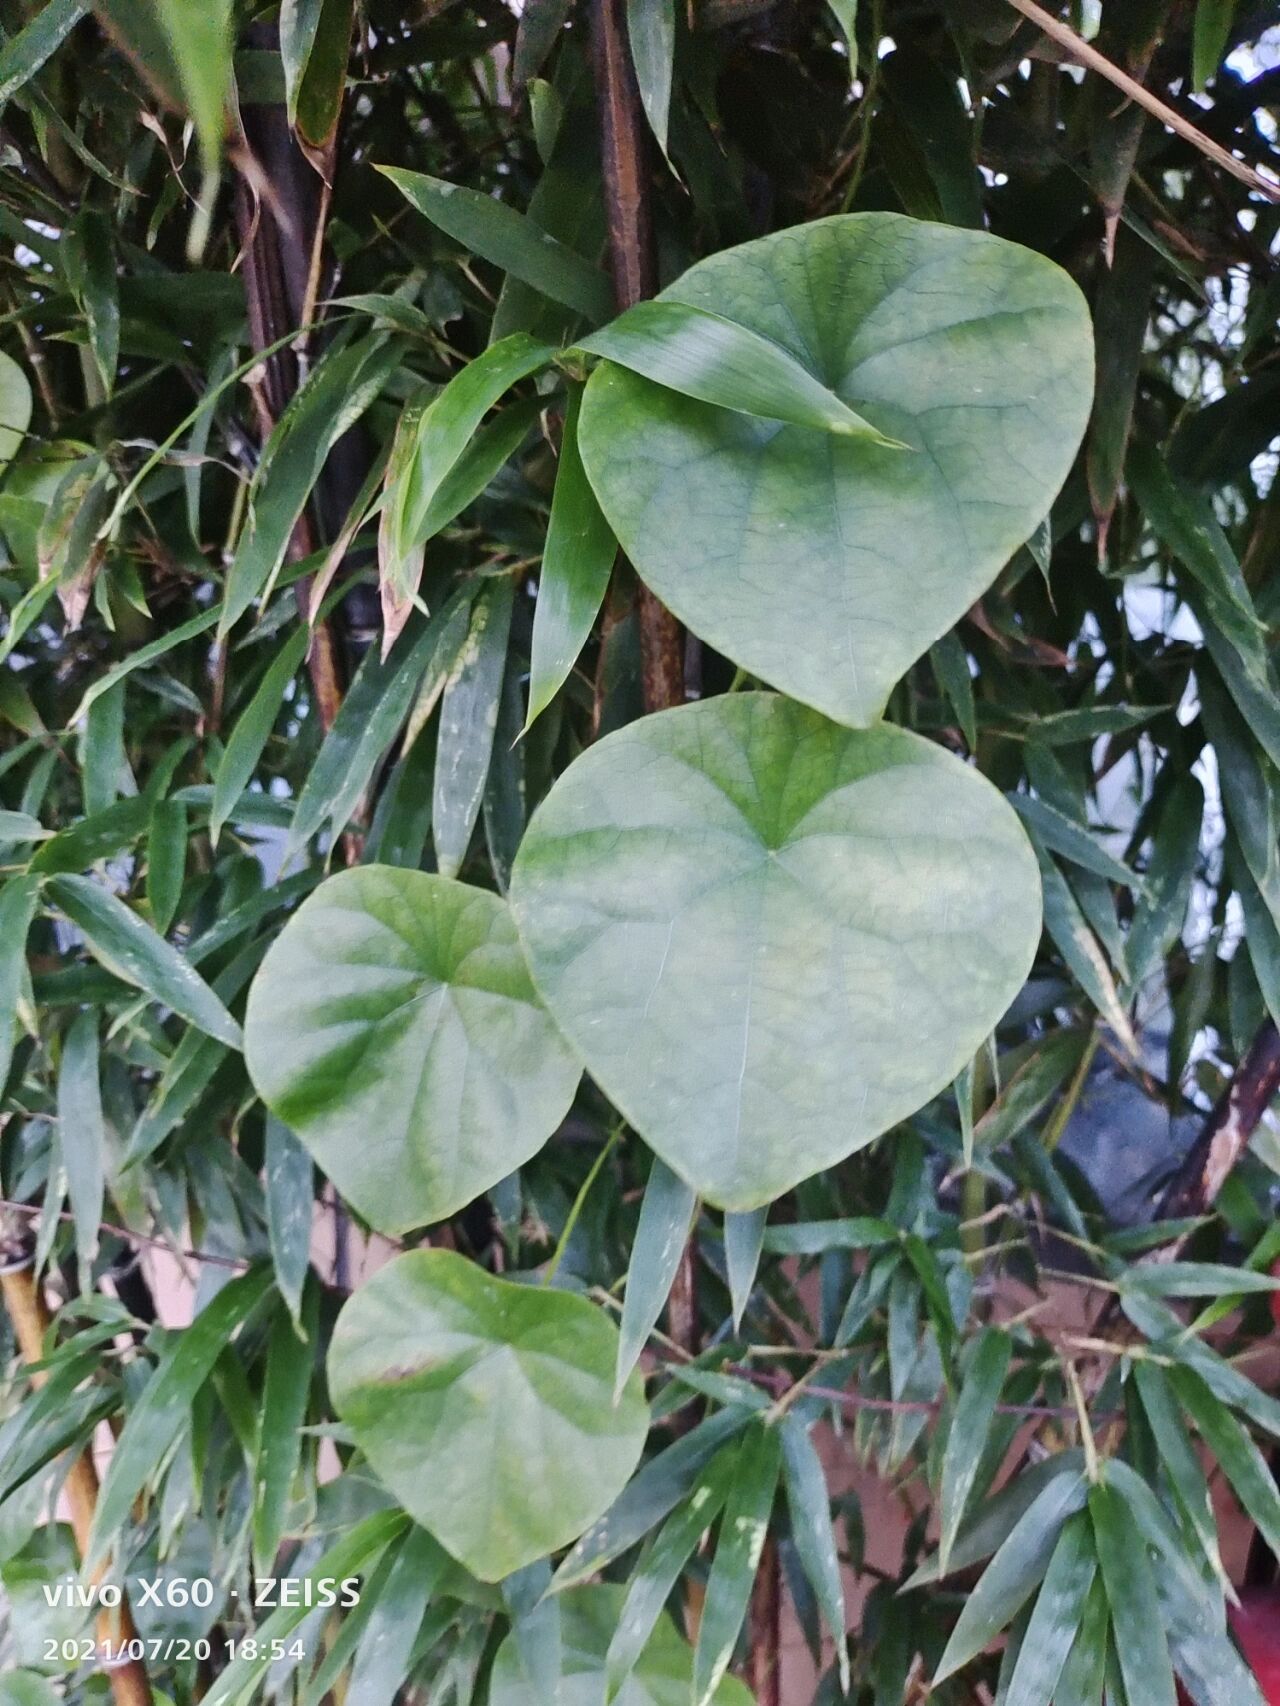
x,y
1012,1575
383,1657
131,949
661,1567
82,1134
1058,1617
1141,1647
24,53
576,562
666,1215
1081,951
743,1243
1178,1457
291,1355
166,861
809,1502
651,30
508,239
701,354
1081,1679
970,1426
290,1201
354,1553
1237,1455
739,1544
468,719
656,1490
160,1413
248,739
18,900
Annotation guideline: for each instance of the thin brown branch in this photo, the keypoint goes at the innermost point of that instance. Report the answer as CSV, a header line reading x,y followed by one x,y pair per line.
x,y
33,1211
1088,56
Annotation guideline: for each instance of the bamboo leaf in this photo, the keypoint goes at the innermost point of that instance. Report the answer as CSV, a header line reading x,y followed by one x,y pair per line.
x,y
576,562
970,1426
253,729
1057,831
1178,1458
161,1411
1237,1455
372,711
336,394
24,53
1058,1618
289,1178
314,38
661,1567
809,1502
1080,1682
743,1243
18,900
166,861
384,1654
1141,1646
508,239
701,354
739,1544
468,718
654,1491
353,1554
666,1216
82,1135
651,30
1012,1575
132,950
291,1353
1081,951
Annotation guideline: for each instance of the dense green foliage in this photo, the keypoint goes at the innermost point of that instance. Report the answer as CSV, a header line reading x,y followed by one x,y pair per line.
x,y
582,1128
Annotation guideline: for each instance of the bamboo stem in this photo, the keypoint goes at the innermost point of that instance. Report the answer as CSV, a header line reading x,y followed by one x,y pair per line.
x,y
29,1316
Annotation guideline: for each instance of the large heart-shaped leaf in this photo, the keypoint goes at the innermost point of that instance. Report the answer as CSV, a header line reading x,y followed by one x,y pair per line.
x,y
588,1617
827,564
393,1026
771,937
486,1406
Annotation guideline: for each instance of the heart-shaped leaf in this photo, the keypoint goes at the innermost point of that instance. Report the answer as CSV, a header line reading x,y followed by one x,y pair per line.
x,y
486,1406
828,564
394,1028
663,1675
770,937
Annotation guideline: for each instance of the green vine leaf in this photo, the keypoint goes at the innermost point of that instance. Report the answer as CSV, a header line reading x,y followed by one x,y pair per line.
x,y
771,938
394,1029
828,564
486,1407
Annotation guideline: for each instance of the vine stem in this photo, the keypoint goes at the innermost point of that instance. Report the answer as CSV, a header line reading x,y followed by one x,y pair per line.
x,y
29,1315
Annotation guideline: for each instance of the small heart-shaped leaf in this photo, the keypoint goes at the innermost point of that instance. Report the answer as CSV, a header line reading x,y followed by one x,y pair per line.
x,y
394,1028
825,563
486,1406
771,938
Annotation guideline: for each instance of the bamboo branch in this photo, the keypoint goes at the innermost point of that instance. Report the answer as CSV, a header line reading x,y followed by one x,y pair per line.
x,y
1088,56
29,1316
